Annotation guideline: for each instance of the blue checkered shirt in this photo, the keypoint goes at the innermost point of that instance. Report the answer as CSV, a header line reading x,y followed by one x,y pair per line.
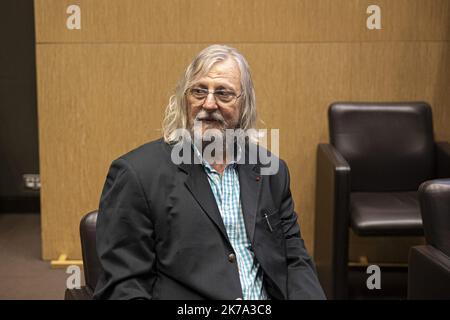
x,y
226,190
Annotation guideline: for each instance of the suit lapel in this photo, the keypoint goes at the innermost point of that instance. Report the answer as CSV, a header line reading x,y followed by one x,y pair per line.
x,y
250,183
197,183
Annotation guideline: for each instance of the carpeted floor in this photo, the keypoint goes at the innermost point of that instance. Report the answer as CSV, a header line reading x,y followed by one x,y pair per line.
x,y
23,275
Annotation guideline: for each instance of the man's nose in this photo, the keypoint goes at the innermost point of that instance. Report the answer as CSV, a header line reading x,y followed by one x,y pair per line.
x,y
210,102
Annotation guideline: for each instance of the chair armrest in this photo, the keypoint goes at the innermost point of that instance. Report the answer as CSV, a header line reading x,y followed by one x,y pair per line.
x,y
443,159
332,220
428,273
84,293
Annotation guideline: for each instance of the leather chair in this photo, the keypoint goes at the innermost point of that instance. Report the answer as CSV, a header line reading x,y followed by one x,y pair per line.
x,y
429,265
367,179
91,263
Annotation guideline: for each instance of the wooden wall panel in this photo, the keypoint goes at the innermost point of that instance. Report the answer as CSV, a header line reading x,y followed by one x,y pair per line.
x,y
405,71
88,118
96,102
102,90
188,21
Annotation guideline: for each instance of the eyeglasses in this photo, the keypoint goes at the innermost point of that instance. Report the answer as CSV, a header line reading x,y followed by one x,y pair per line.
x,y
222,97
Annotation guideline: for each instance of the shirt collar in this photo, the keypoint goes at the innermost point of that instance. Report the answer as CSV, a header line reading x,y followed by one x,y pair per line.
x,y
232,163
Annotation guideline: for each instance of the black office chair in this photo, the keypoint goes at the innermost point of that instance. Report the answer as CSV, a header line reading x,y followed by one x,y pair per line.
x,y
429,265
367,179
91,263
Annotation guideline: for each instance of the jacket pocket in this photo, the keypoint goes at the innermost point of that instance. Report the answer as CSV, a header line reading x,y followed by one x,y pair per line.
x,y
270,219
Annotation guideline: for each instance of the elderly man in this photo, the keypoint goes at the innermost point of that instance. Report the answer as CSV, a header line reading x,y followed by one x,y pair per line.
x,y
213,227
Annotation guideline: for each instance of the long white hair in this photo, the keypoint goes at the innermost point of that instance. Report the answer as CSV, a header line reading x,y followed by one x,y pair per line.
x,y
176,116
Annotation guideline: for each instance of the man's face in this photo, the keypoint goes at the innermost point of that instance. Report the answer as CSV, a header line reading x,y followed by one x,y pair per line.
x,y
221,110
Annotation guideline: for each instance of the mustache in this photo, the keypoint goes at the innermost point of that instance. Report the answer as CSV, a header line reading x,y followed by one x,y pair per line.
x,y
211,116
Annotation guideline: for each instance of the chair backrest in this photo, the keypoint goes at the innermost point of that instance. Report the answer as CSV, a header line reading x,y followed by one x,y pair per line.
x,y
91,263
434,198
389,146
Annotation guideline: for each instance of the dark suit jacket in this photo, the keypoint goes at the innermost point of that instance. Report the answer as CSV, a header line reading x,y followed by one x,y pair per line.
x,y
160,234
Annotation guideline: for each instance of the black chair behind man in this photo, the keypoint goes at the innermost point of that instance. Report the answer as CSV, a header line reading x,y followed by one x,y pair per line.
x,y
367,179
429,265
91,263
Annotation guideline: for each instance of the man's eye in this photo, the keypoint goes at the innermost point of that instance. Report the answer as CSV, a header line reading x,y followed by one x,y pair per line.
x,y
224,94
198,91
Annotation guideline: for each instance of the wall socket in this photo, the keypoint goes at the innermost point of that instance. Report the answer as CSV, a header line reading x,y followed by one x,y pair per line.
x,y
32,181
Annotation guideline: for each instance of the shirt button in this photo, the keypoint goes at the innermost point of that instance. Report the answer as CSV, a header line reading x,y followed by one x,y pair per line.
x,y
231,257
